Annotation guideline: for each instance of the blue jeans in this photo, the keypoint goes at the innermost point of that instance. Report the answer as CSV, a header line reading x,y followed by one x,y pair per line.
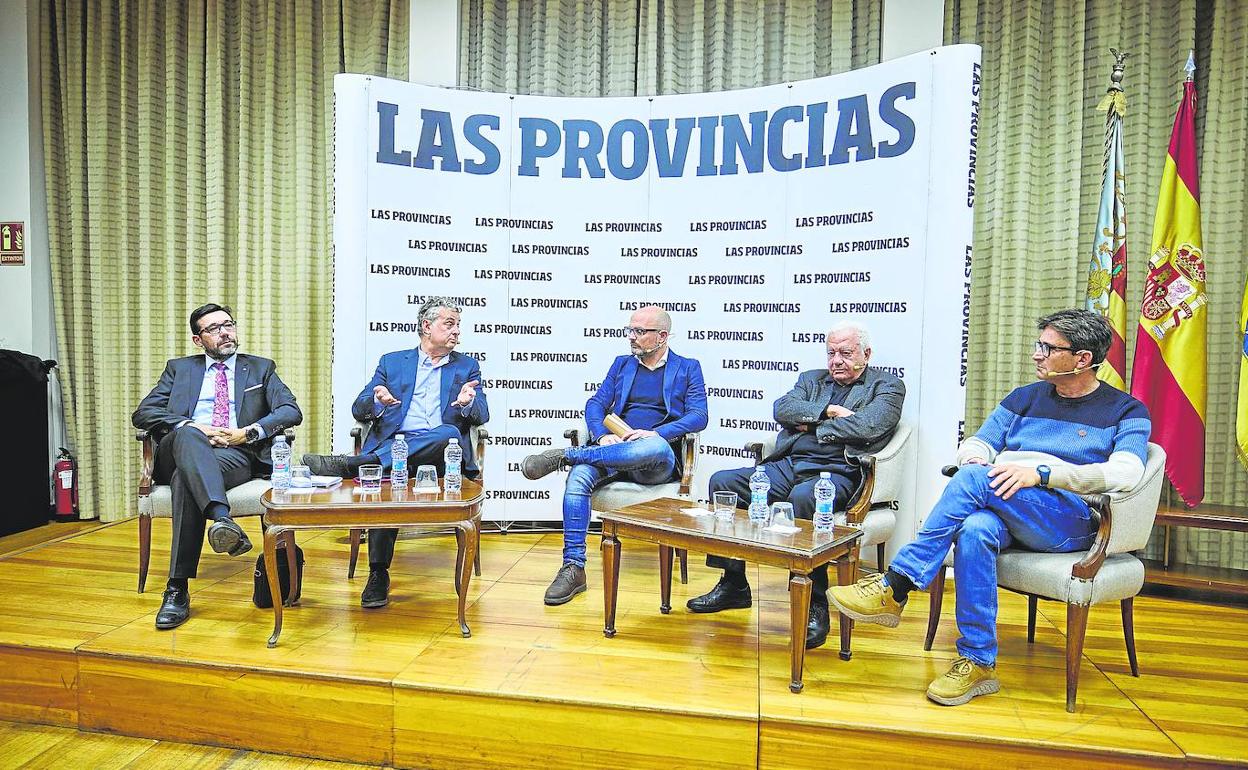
x,y
982,524
644,461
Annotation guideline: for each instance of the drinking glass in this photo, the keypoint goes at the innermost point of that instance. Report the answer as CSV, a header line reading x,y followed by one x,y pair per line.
x,y
781,515
370,478
725,505
300,477
426,479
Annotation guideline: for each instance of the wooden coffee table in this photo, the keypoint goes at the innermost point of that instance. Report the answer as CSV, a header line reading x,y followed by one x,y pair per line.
x,y
346,508
661,521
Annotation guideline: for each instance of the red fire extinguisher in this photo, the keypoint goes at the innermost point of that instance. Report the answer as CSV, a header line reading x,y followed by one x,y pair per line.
x,y
65,479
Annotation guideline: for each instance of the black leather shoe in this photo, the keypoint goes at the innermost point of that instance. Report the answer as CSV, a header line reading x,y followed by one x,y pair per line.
x,y
377,590
225,536
175,608
817,626
724,596
569,581
328,465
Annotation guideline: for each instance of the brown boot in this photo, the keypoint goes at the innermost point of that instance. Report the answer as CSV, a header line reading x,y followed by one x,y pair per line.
x,y
568,582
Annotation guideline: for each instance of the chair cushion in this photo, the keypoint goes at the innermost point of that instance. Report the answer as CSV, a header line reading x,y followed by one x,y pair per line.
x,y
619,494
244,500
877,526
1048,575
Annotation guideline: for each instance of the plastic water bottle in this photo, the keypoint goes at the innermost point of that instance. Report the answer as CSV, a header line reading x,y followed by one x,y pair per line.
x,y
825,502
760,485
281,463
398,462
453,458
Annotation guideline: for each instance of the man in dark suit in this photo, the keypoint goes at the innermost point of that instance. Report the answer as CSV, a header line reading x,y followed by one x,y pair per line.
x,y
213,417
830,418
431,394
661,396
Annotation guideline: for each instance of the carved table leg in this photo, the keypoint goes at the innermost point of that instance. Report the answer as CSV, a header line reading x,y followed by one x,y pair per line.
x,y
846,569
464,560
275,588
665,579
610,580
799,613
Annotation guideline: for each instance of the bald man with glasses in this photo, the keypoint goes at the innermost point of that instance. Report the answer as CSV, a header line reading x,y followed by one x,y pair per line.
x,y
661,396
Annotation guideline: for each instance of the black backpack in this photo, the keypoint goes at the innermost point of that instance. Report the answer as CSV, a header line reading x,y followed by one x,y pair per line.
x,y
260,595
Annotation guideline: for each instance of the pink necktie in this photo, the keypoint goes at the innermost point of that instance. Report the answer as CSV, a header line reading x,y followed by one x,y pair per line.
x,y
221,399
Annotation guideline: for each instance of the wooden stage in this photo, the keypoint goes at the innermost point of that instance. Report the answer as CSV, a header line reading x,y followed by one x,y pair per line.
x,y
540,686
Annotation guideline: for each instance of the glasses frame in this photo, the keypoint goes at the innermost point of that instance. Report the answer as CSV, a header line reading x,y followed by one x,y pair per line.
x,y
216,328
1046,350
637,331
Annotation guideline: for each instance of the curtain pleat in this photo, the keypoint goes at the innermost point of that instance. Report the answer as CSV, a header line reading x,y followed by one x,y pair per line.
x,y
188,159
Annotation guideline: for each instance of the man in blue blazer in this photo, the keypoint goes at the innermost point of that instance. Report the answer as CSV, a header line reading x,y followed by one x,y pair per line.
x,y
213,417
661,396
431,394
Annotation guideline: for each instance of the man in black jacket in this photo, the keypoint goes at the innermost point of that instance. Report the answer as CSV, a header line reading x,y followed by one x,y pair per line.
x,y
213,417
830,418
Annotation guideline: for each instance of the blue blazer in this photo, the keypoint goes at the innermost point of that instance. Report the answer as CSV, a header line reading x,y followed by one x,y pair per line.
x,y
684,396
397,371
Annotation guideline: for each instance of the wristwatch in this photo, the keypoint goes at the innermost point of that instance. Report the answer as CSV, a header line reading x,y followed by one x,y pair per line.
x,y
252,434
1044,472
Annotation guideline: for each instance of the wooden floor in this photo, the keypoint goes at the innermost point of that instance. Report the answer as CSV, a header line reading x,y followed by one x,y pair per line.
x,y
540,686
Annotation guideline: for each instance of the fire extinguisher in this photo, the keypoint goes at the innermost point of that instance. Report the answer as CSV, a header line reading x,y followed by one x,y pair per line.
x,y
66,482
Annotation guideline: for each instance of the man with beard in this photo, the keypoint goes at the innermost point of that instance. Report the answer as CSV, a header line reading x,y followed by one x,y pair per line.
x,y
661,396
830,418
213,418
431,394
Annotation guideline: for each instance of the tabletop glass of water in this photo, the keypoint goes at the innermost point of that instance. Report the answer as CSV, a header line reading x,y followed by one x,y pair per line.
x,y
370,478
426,479
300,478
725,504
781,515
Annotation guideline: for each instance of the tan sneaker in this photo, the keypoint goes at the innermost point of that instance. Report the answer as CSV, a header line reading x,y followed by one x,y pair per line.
x,y
868,600
963,681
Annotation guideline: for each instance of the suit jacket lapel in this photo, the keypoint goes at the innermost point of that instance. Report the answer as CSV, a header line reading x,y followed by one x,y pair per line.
x,y
669,374
447,382
241,372
626,382
188,389
407,380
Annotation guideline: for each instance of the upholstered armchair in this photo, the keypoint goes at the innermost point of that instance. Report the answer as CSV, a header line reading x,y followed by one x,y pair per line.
x,y
1106,572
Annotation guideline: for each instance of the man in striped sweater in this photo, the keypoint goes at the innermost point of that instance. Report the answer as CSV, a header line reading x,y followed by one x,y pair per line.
x,y
1019,482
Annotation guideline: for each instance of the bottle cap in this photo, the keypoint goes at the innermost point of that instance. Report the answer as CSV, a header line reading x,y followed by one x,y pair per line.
x,y
825,474
454,441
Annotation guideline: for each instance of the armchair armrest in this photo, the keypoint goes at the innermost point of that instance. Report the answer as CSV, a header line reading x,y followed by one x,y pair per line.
x,y
573,435
755,448
361,429
149,461
689,450
860,505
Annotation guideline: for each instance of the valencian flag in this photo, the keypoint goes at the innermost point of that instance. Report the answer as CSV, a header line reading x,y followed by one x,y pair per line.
x,y
1170,353
1241,412
1107,270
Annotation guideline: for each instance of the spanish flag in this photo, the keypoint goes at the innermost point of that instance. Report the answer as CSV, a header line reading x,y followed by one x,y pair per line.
x,y
1107,270
1170,349
1241,411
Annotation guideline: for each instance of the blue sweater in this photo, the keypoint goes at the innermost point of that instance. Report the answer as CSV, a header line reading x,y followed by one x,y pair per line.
x,y
1094,443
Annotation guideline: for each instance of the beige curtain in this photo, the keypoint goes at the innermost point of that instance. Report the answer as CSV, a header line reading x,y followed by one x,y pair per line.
x,y
189,159
644,47
1038,178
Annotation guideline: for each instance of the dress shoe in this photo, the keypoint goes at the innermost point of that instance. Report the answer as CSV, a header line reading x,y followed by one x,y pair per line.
x,y
175,608
328,465
377,590
225,536
817,626
568,582
724,596
542,464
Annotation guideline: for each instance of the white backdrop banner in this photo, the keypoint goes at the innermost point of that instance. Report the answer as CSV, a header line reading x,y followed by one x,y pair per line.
x,y
755,217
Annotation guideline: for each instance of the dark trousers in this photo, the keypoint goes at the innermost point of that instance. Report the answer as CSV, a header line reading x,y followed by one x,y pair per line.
x,y
786,485
198,474
422,449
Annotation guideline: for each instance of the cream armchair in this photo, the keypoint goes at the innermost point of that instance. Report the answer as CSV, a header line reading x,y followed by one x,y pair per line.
x,y
1106,572
619,494
871,506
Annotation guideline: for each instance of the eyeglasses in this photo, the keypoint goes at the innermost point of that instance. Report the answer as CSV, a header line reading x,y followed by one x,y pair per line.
x,y
845,355
1046,350
216,329
637,331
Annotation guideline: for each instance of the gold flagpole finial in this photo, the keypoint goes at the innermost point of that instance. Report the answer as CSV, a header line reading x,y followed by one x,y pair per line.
x,y
1115,98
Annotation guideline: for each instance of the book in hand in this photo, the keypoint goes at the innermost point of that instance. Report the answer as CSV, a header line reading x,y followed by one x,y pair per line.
x,y
613,423
326,482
